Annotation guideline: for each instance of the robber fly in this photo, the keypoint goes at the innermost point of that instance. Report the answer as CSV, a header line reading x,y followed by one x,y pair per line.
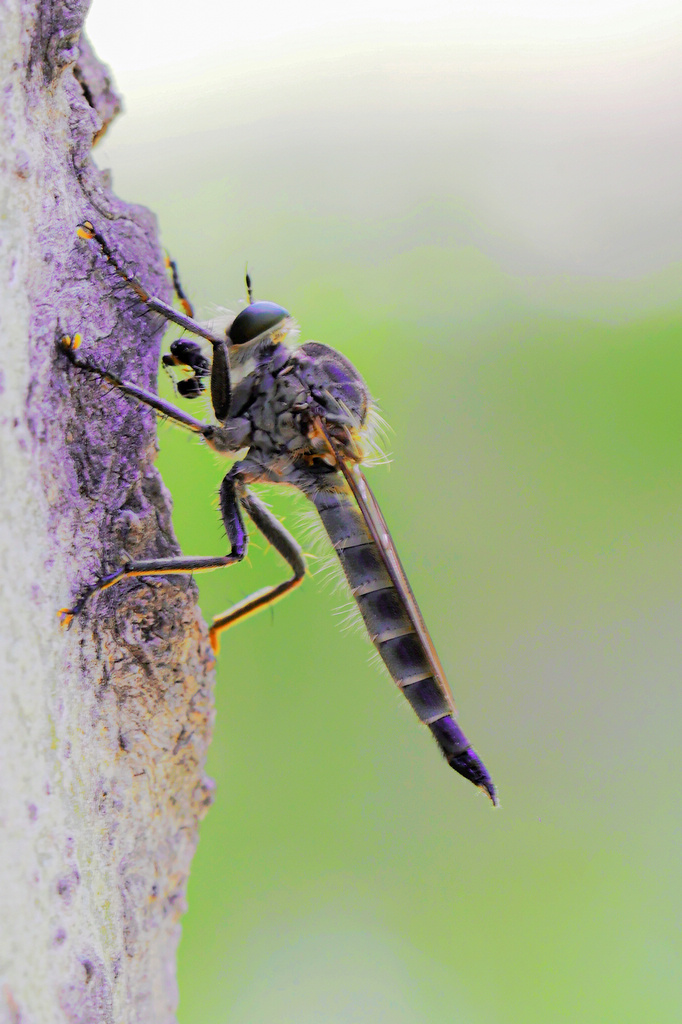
x,y
301,411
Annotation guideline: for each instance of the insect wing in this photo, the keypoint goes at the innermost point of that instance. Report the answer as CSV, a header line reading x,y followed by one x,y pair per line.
x,y
381,536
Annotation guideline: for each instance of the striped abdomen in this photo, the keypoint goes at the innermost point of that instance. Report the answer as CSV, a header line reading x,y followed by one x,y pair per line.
x,y
391,628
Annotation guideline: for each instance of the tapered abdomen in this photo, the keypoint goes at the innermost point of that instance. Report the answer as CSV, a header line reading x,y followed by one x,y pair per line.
x,y
392,631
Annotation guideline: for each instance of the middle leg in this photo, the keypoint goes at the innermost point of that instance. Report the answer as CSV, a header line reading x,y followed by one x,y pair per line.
x,y
283,542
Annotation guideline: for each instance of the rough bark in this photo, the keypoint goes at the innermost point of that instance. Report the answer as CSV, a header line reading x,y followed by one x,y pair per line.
x,y
103,729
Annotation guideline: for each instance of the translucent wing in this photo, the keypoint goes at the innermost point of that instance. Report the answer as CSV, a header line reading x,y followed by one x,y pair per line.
x,y
381,536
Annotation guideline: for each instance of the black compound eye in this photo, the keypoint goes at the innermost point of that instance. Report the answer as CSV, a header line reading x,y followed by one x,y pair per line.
x,y
258,318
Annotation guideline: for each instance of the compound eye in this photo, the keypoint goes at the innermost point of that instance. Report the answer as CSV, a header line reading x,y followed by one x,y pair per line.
x,y
258,318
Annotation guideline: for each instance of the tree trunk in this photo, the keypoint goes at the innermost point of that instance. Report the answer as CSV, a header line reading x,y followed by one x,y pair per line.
x,y
103,729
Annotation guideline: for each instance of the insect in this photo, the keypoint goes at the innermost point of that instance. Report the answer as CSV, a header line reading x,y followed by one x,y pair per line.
x,y
301,411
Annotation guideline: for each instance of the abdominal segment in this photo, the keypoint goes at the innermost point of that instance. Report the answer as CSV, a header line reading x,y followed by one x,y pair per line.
x,y
392,631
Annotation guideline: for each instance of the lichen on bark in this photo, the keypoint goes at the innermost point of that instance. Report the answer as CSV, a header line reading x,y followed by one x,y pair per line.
x,y
104,729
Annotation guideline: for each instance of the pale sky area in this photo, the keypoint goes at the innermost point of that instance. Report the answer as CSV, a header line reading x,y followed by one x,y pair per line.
x,y
207,31
559,126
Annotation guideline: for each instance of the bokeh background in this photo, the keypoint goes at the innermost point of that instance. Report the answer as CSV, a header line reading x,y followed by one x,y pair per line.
x,y
480,205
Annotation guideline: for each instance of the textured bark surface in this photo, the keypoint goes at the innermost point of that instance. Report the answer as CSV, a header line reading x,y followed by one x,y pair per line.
x,y
103,729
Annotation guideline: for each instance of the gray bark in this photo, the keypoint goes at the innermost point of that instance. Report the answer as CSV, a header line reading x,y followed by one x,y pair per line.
x,y
103,729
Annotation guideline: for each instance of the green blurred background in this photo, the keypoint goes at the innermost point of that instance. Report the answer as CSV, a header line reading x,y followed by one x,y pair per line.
x,y
481,208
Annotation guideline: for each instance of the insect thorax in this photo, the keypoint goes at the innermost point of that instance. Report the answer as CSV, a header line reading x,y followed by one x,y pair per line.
x,y
281,397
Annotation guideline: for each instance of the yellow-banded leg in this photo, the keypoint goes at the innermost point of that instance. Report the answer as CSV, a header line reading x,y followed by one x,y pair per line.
x,y
87,231
179,291
221,389
233,493
69,345
288,548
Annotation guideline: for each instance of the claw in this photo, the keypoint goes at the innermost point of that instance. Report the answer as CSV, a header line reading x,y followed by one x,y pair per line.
x,y
214,639
65,617
67,342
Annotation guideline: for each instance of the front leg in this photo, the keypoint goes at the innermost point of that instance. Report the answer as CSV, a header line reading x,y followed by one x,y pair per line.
x,y
220,372
68,346
87,231
221,387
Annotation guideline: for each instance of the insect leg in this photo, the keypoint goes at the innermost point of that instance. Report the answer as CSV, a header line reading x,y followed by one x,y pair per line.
x,y
221,386
236,533
221,390
179,291
87,231
283,542
69,345
187,354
